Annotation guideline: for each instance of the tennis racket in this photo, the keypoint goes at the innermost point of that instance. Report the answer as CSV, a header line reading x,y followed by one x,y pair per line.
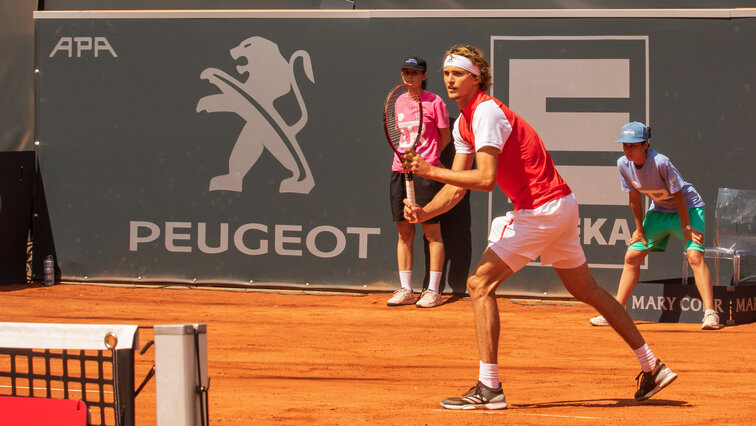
x,y
402,121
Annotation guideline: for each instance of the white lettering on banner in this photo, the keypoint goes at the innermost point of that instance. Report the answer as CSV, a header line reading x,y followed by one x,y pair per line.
x,y
95,45
287,239
591,230
135,239
663,303
691,304
202,243
745,304
651,304
171,235
281,240
340,241
670,302
239,239
637,302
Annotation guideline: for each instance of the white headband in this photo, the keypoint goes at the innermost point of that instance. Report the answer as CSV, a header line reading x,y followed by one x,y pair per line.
x,y
460,61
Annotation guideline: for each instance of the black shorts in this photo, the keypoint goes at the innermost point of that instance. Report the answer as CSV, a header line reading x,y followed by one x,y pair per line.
x,y
425,190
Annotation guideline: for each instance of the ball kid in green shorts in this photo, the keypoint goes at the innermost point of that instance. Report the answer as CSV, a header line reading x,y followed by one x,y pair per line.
x,y
676,209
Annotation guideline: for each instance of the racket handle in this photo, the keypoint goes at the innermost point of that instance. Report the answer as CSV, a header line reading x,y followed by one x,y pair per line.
x,y
410,187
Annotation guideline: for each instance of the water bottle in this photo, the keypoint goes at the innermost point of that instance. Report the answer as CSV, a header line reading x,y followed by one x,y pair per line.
x,y
49,268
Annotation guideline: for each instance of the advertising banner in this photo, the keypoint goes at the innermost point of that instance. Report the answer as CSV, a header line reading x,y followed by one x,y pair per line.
x,y
247,147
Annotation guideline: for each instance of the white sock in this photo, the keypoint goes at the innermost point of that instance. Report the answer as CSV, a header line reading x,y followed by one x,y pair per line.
x,y
434,281
489,375
405,278
706,312
646,358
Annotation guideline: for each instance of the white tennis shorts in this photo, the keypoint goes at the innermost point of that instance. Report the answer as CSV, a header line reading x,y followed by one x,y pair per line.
x,y
549,231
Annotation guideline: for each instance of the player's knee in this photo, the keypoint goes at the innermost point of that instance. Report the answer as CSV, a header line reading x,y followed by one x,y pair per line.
x,y
406,232
634,257
433,234
695,258
477,286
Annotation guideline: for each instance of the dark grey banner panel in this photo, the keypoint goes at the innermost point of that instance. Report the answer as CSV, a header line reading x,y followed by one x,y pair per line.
x,y
247,148
17,75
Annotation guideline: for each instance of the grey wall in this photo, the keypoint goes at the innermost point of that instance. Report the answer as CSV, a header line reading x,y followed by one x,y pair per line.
x,y
16,75
132,133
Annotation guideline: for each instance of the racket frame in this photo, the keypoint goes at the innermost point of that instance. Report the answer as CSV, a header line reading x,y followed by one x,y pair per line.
x,y
408,179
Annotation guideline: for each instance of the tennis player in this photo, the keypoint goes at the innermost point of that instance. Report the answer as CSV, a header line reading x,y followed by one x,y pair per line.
x,y
433,139
676,209
508,152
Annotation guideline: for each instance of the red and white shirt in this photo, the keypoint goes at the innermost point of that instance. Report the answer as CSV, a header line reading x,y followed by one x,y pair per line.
x,y
525,170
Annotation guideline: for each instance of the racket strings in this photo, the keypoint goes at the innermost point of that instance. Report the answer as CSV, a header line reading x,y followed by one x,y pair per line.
x,y
403,119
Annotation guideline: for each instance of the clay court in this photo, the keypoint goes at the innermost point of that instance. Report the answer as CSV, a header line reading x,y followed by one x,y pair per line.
x,y
287,357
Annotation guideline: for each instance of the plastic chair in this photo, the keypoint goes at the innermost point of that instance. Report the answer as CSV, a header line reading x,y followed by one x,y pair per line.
x,y
734,235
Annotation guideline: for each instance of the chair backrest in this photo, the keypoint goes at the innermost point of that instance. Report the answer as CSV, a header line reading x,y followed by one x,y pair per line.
x,y
735,219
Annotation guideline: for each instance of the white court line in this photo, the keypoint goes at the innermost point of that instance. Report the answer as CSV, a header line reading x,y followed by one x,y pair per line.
x,y
557,415
520,414
57,389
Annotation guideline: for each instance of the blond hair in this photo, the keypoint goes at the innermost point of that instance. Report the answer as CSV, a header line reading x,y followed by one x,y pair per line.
x,y
477,57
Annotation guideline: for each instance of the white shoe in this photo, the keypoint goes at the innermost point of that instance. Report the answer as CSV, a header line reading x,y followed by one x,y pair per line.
x,y
429,299
711,321
599,320
402,297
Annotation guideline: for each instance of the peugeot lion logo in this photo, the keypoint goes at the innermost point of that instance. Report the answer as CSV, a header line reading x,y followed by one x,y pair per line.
x,y
270,76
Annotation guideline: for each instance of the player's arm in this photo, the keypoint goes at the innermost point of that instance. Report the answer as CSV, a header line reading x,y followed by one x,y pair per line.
x,y
461,174
636,206
481,178
445,199
682,210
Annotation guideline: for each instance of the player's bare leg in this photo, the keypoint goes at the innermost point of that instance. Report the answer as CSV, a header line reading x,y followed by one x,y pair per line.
x,y
581,284
654,375
703,277
404,246
627,282
630,275
481,285
431,297
432,232
703,283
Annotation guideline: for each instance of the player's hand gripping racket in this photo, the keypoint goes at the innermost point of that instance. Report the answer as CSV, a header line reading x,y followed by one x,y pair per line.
x,y
403,120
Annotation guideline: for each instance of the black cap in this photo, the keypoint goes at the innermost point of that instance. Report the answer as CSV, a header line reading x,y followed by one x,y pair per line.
x,y
415,63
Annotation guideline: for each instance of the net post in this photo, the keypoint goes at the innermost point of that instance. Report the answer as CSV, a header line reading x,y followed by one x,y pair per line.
x,y
181,378
123,392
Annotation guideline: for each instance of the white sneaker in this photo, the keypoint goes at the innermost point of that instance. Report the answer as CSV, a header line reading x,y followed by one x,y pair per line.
x,y
711,321
429,299
402,297
599,320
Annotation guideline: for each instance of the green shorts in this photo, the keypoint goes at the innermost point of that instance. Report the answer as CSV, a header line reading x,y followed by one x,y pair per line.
x,y
658,226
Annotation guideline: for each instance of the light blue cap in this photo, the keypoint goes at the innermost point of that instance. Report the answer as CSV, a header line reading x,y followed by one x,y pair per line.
x,y
634,132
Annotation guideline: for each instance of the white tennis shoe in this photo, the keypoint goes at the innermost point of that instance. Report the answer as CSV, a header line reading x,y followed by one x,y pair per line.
x,y
711,321
402,296
429,299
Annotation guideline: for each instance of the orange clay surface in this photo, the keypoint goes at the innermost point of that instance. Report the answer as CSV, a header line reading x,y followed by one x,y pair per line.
x,y
339,358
